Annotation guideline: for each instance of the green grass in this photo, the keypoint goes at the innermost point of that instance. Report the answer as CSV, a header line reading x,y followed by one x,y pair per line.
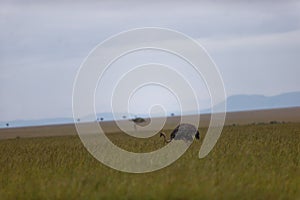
x,y
248,162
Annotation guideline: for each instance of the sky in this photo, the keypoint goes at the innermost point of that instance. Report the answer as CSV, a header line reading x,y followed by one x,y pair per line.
x,y
255,44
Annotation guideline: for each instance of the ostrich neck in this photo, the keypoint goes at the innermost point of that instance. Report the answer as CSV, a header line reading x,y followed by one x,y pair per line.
x,y
165,138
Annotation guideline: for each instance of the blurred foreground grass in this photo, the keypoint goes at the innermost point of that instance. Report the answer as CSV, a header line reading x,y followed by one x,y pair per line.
x,y
248,162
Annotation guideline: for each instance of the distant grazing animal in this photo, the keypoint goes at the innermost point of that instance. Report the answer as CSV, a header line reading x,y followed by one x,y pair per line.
x,y
138,120
185,132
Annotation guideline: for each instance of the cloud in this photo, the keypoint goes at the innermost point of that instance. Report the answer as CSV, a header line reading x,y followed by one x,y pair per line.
x,y
283,40
255,44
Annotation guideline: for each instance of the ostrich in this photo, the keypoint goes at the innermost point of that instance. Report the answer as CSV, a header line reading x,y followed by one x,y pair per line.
x,y
185,132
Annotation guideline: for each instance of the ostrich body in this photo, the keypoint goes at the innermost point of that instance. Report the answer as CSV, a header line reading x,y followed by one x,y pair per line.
x,y
185,132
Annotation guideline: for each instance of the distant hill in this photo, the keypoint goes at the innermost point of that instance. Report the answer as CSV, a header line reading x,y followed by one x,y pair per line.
x,y
38,122
66,120
258,102
234,103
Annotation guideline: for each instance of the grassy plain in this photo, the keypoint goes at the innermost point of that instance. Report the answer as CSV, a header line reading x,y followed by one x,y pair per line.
x,y
248,162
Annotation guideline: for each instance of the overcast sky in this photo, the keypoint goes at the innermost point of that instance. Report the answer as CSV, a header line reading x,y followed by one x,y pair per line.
x,y
255,45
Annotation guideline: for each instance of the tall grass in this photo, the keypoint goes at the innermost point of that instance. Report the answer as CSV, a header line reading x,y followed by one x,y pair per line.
x,y
248,162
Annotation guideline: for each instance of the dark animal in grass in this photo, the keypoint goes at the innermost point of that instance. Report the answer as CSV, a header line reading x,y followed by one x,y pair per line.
x,y
185,132
138,120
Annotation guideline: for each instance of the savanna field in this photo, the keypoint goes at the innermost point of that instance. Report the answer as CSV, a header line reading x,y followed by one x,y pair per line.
x,y
248,162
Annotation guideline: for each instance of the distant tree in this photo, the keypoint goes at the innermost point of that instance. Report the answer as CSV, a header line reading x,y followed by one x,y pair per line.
x,y
100,119
7,124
